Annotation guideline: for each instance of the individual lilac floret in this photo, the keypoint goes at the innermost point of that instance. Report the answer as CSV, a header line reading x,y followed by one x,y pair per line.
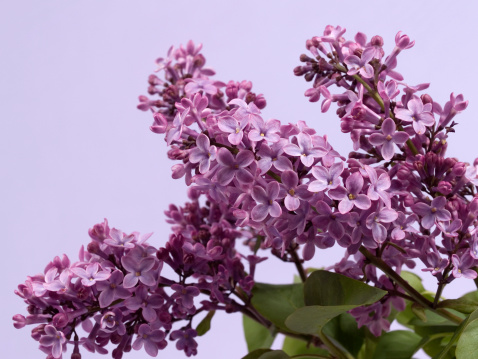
x,y
111,289
326,179
403,224
246,112
375,220
361,65
175,131
378,186
450,228
389,137
153,340
350,196
304,149
234,167
264,130
436,263
185,295
147,303
138,271
186,341
266,200
91,274
120,239
234,127
330,222
433,212
54,339
461,266
419,114
271,156
199,84
204,153
292,191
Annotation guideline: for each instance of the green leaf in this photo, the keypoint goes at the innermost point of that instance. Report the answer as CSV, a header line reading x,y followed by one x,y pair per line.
x,y
332,289
205,324
466,347
311,319
462,305
459,334
266,354
343,329
414,280
257,336
277,302
294,347
399,344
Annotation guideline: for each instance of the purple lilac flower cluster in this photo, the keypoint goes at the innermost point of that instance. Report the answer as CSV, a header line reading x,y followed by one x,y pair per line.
x,y
117,292
397,199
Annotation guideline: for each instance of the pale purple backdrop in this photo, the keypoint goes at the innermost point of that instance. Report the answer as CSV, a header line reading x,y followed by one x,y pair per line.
x,y
74,149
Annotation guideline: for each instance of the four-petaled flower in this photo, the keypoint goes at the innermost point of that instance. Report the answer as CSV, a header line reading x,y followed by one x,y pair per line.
x,y
204,153
419,114
153,340
388,137
430,213
91,274
266,202
138,271
54,339
350,196
305,150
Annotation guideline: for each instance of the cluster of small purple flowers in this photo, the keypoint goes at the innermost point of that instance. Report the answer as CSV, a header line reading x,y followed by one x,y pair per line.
x,y
116,291
278,186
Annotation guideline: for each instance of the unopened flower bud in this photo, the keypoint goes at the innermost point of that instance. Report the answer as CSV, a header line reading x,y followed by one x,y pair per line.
x,y
60,320
377,41
402,41
426,98
459,169
444,187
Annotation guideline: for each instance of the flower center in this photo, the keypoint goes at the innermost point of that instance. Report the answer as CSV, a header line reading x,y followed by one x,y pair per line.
x,y
238,130
434,209
388,138
291,192
351,196
262,135
138,274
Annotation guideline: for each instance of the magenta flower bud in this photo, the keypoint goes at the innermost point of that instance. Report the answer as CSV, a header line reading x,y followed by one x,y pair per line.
x,y
38,331
426,98
459,169
444,187
60,320
376,41
19,321
403,42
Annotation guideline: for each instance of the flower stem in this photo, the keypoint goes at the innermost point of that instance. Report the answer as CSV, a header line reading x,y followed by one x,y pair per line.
x,y
420,299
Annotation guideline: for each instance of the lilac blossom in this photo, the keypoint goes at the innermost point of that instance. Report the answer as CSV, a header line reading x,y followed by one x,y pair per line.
x,y
111,289
185,341
326,178
266,201
54,339
184,295
329,221
350,196
199,84
234,167
436,264
304,150
264,130
433,212
378,186
151,339
461,266
120,239
361,65
234,127
375,220
419,114
388,138
271,156
204,153
246,112
292,191
138,271
91,274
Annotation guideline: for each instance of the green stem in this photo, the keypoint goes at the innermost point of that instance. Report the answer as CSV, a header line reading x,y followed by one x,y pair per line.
x,y
299,356
335,350
420,299
298,265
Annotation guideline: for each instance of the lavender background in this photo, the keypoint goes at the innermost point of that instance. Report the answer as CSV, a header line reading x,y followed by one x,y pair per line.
x,y
74,149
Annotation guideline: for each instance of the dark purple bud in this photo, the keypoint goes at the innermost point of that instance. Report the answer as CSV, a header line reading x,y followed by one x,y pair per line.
x,y
459,169
93,247
377,41
260,102
426,98
38,331
305,58
444,187
60,320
